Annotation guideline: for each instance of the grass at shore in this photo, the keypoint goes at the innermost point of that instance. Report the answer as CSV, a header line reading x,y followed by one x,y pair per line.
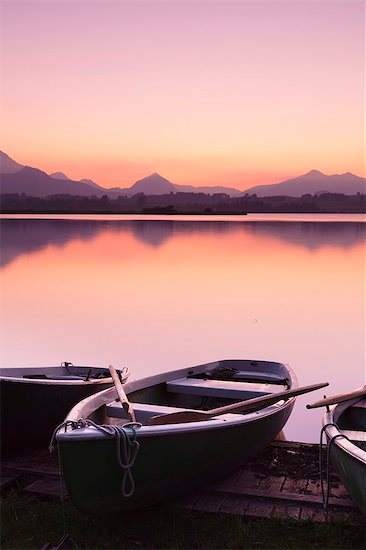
x,y
29,523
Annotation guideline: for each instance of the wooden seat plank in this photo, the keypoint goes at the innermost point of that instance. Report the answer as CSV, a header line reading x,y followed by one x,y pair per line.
x,y
143,411
265,377
220,388
116,410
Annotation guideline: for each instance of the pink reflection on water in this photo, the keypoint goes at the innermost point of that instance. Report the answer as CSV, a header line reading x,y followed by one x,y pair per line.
x,y
166,294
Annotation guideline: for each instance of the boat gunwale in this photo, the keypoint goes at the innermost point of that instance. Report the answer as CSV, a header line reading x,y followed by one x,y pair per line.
x,y
59,381
214,423
91,403
44,382
331,430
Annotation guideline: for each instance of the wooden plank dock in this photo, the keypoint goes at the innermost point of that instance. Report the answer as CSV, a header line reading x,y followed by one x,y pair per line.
x,y
283,481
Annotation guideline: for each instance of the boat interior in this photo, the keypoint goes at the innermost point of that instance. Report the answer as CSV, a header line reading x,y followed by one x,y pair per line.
x,y
352,423
196,391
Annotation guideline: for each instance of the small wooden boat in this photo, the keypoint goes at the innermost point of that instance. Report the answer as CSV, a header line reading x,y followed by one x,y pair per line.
x,y
345,429
181,438
34,400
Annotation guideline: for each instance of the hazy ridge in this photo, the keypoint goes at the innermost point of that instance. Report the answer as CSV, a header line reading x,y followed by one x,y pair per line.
x,y
16,178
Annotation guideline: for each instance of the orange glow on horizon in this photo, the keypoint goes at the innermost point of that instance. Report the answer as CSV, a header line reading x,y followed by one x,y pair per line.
x,y
204,93
122,174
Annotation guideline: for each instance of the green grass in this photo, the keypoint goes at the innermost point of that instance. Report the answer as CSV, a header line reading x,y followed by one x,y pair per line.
x,y
29,523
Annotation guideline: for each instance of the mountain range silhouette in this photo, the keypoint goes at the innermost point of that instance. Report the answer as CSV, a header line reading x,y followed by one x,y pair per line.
x,y
16,178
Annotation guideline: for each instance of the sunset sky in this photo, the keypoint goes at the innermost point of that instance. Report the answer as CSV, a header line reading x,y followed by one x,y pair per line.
x,y
204,92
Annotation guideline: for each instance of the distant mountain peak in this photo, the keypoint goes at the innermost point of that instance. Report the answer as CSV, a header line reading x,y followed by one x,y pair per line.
x,y
154,184
154,175
314,173
59,176
311,183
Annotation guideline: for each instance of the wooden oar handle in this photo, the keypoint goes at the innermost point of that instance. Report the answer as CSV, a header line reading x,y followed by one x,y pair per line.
x,y
339,398
122,394
257,403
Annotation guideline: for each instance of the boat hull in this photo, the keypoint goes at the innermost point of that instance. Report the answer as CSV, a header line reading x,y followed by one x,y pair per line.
x,y
352,473
30,412
347,455
167,466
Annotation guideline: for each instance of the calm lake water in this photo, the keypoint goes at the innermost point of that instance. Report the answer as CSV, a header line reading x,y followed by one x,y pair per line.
x,y
159,293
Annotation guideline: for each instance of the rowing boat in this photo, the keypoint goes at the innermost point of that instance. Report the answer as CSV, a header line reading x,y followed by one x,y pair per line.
x,y
345,429
34,400
111,464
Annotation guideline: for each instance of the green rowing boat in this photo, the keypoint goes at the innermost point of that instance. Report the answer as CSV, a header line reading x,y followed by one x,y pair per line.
x,y
110,463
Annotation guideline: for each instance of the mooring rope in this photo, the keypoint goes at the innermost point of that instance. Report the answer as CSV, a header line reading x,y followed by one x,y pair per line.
x,y
126,449
325,495
66,534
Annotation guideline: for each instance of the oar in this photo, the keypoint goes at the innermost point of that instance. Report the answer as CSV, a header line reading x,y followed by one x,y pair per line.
x,y
122,394
254,404
337,398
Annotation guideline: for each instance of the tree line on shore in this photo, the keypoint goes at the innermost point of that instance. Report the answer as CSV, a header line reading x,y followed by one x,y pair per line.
x,y
183,203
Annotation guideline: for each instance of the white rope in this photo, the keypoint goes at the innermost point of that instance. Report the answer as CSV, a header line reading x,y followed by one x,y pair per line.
x,y
126,450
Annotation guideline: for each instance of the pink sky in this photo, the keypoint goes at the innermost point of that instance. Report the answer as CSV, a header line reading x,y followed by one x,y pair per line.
x,y
204,92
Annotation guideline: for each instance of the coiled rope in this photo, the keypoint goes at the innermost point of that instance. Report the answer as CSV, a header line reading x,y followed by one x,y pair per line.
x,y
126,449
325,494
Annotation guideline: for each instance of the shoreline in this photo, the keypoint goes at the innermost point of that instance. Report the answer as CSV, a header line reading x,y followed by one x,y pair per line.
x,y
267,507
175,213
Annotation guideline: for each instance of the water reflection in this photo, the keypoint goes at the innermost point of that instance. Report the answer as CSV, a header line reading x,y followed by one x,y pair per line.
x,y
314,235
164,294
20,237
